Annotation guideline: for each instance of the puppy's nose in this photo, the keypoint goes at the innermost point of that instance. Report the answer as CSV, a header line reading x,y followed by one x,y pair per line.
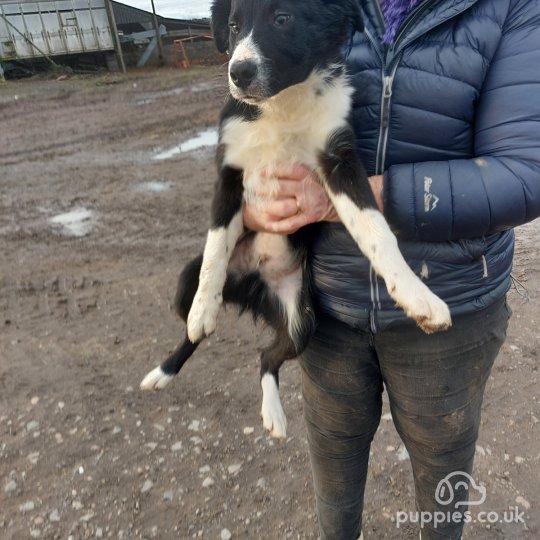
x,y
243,73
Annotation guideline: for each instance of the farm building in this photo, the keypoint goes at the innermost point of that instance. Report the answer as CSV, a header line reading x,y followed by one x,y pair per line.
x,y
184,41
130,19
51,29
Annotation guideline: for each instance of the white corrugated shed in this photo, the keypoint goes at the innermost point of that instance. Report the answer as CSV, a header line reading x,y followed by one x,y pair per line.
x,y
53,27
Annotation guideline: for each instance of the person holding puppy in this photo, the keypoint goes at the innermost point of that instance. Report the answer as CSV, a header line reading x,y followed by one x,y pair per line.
x,y
447,122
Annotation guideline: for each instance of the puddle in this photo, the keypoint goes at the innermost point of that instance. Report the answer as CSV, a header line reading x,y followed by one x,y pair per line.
x,y
153,96
78,222
202,87
208,137
154,187
145,101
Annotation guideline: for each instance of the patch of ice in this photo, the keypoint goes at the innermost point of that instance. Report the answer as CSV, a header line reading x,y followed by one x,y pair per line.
x,y
208,137
156,187
78,222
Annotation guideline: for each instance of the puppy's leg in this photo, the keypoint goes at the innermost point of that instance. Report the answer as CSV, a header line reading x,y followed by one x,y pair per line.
x,y
275,289
283,348
227,226
292,337
348,188
188,282
253,294
160,377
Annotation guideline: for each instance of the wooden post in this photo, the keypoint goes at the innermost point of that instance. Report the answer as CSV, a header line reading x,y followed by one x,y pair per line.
x,y
116,39
158,35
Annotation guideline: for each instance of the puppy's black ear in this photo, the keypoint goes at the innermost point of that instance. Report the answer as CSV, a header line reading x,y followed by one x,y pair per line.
x,y
350,10
220,23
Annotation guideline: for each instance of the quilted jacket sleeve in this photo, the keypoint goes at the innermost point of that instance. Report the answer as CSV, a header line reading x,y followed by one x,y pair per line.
x,y
500,189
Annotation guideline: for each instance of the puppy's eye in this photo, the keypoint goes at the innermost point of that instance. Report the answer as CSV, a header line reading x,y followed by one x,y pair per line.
x,y
234,28
281,19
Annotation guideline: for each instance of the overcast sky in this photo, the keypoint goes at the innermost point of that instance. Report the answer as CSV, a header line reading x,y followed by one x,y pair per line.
x,y
178,9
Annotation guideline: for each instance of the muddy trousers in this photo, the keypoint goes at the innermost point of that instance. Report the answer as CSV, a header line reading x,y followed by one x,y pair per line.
x,y
435,386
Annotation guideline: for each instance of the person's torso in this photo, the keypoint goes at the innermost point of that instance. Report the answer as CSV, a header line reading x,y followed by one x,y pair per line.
x,y
415,101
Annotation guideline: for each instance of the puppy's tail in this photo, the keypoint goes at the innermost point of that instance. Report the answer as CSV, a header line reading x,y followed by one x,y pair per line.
x,y
188,283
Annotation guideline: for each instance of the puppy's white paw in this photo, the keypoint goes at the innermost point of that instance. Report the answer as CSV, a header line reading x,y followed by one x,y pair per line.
x,y
428,310
202,318
439,318
274,419
155,380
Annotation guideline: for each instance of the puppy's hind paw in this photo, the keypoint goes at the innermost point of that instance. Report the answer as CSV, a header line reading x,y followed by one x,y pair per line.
x,y
274,419
275,423
155,380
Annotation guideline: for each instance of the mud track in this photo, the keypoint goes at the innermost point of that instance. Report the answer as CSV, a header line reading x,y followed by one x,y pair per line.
x,y
85,313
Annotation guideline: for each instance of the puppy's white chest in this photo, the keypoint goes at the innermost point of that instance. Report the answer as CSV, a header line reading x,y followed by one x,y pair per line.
x,y
293,127
263,144
267,141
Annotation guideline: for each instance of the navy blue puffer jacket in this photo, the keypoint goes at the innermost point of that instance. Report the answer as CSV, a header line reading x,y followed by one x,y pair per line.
x,y
450,112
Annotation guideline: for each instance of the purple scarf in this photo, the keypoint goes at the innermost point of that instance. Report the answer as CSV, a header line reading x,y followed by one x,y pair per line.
x,y
395,12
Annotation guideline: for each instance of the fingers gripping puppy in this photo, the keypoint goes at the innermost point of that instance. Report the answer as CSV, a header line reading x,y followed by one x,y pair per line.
x,y
290,101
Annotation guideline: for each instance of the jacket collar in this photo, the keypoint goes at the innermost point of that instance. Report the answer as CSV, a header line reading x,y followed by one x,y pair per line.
x,y
428,15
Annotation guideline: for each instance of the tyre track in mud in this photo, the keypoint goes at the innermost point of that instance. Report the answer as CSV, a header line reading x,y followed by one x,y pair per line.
x,y
82,319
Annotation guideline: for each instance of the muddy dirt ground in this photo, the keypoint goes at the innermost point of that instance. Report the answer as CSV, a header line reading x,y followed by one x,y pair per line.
x,y
93,231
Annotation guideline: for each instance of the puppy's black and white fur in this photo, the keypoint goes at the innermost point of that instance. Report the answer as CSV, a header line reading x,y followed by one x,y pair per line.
x,y
290,103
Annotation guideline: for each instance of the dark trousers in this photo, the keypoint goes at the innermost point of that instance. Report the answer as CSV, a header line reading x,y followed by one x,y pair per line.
x,y
435,386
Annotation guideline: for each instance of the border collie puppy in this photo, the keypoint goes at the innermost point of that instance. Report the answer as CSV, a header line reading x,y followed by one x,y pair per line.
x,y
290,100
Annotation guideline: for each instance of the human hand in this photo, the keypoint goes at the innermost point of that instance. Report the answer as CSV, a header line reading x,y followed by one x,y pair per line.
x,y
300,200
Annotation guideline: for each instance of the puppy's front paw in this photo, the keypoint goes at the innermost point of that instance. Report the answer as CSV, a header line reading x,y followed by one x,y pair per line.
x,y
419,303
437,317
202,318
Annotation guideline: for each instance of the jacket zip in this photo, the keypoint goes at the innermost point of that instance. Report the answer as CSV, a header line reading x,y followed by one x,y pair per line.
x,y
374,43
380,15
410,20
372,322
386,102
388,81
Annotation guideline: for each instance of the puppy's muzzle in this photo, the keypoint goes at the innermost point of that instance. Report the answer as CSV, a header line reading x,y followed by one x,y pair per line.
x,y
243,73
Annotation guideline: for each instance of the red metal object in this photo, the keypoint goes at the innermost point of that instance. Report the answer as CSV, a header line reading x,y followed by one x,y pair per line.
x,y
181,58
